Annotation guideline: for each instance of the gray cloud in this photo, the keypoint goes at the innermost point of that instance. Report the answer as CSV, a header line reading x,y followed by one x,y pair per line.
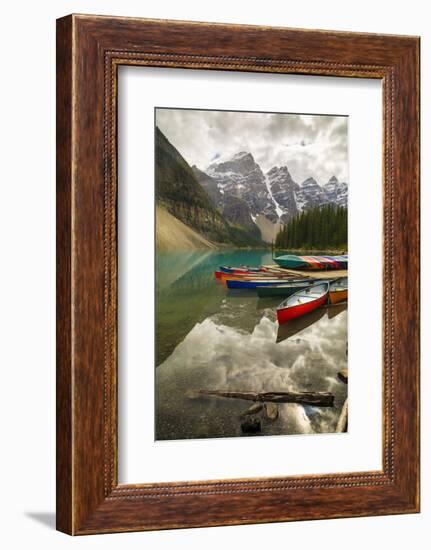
x,y
309,145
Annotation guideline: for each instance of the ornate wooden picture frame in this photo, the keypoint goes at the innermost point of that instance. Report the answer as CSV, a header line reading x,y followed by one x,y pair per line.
x,y
89,51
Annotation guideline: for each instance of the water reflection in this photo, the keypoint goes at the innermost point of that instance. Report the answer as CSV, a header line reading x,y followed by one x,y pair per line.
x,y
208,338
187,292
294,326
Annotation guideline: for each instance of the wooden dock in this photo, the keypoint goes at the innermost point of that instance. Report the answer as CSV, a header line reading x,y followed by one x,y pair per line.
x,y
314,274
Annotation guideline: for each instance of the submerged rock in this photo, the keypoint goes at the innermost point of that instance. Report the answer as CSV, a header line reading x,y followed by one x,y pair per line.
x,y
343,376
251,425
271,411
254,409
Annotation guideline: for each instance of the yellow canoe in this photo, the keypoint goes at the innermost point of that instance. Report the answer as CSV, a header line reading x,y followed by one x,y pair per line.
x,y
338,291
337,296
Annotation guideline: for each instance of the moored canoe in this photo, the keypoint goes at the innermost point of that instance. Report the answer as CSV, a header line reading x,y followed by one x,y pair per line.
x,y
338,291
285,289
281,277
338,296
303,302
267,277
291,261
251,283
242,269
343,261
312,262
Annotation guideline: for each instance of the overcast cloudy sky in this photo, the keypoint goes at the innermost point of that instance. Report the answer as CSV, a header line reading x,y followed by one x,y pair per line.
x,y
310,145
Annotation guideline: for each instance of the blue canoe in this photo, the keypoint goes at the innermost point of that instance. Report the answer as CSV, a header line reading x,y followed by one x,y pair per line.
x,y
253,283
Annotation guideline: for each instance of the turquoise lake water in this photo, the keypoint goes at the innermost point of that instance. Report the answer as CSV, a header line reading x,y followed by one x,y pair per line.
x,y
210,338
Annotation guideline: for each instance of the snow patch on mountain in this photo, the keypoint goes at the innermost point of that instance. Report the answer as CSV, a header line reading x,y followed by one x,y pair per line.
x,y
283,190
336,192
274,195
241,176
278,209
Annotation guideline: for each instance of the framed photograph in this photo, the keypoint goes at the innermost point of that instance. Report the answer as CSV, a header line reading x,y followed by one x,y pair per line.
x,y
237,274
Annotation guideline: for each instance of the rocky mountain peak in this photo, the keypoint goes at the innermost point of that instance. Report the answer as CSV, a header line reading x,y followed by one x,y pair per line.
x,y
242,192
282,189
334,179
281,170
242,155
336,191
310,195
242,177
309,182
242,163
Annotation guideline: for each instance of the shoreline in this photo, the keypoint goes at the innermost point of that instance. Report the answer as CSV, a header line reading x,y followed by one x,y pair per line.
x,y
312,251
222,247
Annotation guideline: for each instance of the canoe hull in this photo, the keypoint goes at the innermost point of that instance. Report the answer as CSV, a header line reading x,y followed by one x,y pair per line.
x,y
238,284
261,277
279,290
338,296
291,261
240,270
288,313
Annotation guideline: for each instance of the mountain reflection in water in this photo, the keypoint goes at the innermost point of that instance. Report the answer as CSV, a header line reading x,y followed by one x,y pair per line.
x,y
210,338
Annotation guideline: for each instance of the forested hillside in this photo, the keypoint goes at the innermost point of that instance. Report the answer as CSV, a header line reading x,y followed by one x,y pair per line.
x,y
179,192
324,227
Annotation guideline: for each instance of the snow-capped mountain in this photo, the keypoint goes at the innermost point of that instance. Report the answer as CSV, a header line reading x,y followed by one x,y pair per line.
x,y
242,176
284,192
310,195
336,192
274,195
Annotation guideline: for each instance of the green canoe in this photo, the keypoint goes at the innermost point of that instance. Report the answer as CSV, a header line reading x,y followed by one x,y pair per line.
x,y
284,289
290,261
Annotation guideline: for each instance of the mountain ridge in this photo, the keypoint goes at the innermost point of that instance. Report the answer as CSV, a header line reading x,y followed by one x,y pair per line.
x,y
273,194
179,192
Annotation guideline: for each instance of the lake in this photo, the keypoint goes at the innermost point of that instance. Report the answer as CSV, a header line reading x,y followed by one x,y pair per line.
x,y
212,338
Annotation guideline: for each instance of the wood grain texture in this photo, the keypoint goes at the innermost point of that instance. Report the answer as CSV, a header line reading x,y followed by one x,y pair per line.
x,y
90,49
64,497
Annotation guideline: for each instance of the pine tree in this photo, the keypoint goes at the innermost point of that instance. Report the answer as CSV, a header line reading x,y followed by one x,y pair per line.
x,y
321,227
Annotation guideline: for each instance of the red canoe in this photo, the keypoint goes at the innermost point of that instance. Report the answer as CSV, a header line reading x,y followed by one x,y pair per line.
x,y
302,302
239,271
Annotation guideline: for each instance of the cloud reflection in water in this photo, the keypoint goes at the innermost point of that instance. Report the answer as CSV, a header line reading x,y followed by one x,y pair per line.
x,y
237,349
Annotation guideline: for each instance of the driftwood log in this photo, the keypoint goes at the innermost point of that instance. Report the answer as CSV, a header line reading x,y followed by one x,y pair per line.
x,y
319,399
